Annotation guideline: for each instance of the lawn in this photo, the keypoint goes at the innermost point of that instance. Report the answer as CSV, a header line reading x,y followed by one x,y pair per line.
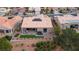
x,y
30,36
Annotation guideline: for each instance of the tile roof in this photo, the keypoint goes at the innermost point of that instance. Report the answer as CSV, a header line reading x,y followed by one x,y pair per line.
x,y
9,23
68,19
44,23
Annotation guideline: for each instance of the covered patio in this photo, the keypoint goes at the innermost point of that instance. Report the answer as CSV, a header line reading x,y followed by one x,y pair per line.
x,y
31,31
1,31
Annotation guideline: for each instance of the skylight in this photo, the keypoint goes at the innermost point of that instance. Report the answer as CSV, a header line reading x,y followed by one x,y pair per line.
x,y
10,17
36,19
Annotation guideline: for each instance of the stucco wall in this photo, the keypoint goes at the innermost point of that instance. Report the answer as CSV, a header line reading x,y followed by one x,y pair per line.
x,y
24,31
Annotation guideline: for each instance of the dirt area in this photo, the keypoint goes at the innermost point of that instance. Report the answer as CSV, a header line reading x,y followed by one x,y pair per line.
x,y
25,44
58,48
2,34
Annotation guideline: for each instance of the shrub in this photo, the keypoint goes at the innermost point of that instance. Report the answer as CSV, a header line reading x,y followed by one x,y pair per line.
x,y
8,37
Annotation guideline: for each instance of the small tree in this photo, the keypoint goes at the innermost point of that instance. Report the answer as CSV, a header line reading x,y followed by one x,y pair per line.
x,y
69,40
5,45
60,11
8,37
47,10
52,11
57,30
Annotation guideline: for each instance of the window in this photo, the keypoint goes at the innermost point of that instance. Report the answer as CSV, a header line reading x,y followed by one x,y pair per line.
x,y
32,29
44,30
74,26
39,33
28,29
7,31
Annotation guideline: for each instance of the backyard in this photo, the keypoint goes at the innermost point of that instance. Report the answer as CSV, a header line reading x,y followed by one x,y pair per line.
x,y
27,44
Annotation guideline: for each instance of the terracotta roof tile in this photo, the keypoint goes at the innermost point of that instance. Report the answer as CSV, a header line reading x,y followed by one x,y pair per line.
x,y
9,23
29,23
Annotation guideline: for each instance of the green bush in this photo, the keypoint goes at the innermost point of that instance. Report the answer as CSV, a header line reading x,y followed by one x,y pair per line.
x,y
5,45
8,37
45,46
69,40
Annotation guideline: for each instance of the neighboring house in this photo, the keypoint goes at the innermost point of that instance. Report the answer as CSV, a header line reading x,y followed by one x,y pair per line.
x,y
14,11
65,10
38,25
8,26
3,11
21,11
31,8
68,21
37,10
18,11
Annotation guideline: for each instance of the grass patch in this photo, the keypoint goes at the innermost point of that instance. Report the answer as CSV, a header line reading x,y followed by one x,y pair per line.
x,y
30,36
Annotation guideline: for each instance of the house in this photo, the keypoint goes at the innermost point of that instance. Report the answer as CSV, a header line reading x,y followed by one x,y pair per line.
x,y
8,26
68,21
14,11
34,10
3,11
37,25
18,11
21,11
31,8
37,10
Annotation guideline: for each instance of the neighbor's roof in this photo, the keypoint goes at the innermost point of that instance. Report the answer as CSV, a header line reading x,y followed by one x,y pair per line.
x,y
3,9
44,23
9,23
68,19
